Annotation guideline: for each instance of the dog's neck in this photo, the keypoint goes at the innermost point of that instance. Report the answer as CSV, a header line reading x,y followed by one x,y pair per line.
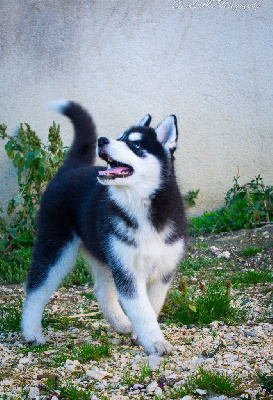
x,y
135,202
145,205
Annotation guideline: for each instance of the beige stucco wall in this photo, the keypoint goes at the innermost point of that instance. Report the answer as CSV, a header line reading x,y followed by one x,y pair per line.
x,y
206,62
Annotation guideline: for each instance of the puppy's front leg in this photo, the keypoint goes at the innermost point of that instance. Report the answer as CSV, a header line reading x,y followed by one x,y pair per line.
x,y
135,301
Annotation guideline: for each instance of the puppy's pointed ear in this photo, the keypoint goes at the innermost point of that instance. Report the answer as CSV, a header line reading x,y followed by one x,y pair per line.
x,y
145,121
167,133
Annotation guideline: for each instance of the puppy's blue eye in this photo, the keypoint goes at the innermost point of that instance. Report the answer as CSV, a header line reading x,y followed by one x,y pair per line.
x,y
136,144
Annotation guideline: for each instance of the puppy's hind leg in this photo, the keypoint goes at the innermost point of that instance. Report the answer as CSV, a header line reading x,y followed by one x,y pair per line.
x,y
51,263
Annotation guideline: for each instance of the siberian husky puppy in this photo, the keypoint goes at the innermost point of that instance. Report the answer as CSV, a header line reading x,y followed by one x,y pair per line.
x,y
128,219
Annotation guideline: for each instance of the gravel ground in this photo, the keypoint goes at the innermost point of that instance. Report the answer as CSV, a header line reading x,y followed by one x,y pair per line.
x,y
245,349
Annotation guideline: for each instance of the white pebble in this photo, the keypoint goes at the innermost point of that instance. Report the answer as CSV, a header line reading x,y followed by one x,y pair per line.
x,y
201,392
151,387
24,360
33,392
158,392
154,361
171,377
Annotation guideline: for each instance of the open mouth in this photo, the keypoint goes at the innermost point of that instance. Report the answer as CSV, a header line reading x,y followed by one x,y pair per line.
x,y
115,168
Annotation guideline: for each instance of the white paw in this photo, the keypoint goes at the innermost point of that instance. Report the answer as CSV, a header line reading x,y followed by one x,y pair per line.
x,y
161,348
34,338
123,328
120,323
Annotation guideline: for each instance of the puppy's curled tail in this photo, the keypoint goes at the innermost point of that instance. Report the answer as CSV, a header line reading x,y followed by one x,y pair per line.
x,y
83,149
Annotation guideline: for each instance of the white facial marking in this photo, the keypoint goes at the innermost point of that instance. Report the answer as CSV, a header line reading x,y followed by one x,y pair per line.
x,y
135,136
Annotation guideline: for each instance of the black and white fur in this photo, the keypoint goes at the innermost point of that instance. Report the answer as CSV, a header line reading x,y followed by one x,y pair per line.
x,y
128,219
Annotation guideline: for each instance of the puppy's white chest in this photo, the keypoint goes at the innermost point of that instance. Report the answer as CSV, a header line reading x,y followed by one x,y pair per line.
x,y
151,257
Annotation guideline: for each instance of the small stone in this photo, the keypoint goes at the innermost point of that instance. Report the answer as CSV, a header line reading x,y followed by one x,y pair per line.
x,y
71,365
214,324
151,387
99,386
116,341
7,382
201,392
224,254
158,392
187,398
214,250
33,392
137,386
137,359
154,361
94,397
219,398
171,378
179,384
54,398
24,360
97,375
196,361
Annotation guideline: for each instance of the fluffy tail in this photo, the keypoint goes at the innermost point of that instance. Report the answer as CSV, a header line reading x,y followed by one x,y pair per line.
x,y
83,148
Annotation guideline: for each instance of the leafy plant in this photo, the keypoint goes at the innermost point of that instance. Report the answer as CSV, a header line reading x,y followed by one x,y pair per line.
x,y
212,382
129,378
190,197
83,353
81,275
89,352
267,381
10,317
14,265
246,206
212,304
53,386
36,164
251,251
252,277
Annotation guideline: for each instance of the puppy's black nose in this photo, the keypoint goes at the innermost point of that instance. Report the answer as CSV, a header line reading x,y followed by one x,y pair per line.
x,y
102,141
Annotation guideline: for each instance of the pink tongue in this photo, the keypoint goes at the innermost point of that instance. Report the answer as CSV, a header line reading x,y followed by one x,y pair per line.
x,y
115,171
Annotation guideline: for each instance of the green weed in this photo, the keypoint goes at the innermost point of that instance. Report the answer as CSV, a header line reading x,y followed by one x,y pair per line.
x,y
266,381
129,378
245,206
251,277
89,296
10,317
212,382
69,391
36,164
190,197
89,352
83,353
81,275
197,263
251,251
14,266
212,304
